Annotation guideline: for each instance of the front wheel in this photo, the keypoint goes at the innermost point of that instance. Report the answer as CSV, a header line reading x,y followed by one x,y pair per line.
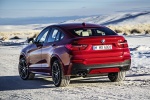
x,y
24,70
117,77
59,79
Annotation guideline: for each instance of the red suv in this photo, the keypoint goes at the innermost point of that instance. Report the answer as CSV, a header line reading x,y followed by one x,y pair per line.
x,y
79,49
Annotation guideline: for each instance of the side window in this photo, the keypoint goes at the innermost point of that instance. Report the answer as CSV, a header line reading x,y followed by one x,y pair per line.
x,y
58,36
52,35
42,36
61,36
55,35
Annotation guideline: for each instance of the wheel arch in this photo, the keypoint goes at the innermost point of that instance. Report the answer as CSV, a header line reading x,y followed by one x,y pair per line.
x,y
53,58
56,57
22,55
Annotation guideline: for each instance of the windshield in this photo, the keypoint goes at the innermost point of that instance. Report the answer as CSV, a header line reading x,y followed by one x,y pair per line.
x,y
101,31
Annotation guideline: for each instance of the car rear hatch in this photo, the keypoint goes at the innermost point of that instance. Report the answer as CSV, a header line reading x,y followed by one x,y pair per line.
x,y
97,50
96,45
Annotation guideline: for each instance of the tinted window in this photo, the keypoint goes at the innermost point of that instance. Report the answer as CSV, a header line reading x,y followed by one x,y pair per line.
x,y
58,36
42,36
55,35
61,36
92,31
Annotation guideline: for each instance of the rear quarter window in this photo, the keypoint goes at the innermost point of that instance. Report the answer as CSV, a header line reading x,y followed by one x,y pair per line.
x,y
102,31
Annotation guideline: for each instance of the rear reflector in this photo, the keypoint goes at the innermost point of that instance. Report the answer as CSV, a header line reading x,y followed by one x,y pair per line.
x,y
104,70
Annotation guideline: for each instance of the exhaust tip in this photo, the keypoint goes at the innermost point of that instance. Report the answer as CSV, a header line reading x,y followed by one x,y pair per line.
x,y
82,74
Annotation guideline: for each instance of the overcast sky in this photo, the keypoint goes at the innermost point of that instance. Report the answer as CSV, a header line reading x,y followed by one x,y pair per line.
x,y
51,8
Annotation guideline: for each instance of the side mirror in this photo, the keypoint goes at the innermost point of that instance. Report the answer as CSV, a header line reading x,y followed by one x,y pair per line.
x,y
30,40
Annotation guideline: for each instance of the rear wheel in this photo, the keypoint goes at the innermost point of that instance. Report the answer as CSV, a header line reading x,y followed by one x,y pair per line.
x,y
24,70
59,79
117,77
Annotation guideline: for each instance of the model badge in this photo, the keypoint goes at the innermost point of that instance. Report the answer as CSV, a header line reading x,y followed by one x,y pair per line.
x,y
103,41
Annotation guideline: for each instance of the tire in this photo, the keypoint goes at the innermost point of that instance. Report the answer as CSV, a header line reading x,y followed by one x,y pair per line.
x,y
117,77
58,77
24,70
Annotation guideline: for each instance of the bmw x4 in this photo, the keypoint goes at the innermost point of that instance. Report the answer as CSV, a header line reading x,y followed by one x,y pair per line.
x,y
79,49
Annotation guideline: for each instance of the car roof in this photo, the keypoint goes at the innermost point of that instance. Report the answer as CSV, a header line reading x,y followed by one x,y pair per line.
x,y
76,25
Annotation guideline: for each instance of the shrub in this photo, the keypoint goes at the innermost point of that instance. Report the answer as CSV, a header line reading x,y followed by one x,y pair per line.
x,y
147,31
125,34
4,38
130,29
135,31
15,37
118,31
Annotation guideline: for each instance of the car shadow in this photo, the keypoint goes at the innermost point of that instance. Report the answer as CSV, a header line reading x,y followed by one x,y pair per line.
x,y
16,83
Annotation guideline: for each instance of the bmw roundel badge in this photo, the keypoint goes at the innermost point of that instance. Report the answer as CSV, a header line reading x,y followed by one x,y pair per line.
x,y
103,41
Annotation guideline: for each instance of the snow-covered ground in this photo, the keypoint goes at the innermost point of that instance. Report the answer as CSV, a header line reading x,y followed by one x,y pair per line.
x,y
140,52
135,87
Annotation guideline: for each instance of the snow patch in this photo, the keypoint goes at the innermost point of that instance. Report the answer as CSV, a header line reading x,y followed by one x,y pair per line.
x,y
143,48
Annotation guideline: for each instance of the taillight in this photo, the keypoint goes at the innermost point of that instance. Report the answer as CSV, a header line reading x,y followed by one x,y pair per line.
x,y
75,47
122,44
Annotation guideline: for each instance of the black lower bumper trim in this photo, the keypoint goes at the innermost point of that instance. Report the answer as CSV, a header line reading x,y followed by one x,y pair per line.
x,y
81,68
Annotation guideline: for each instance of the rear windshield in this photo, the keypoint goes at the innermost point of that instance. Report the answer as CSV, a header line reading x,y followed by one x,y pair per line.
x,y
102,31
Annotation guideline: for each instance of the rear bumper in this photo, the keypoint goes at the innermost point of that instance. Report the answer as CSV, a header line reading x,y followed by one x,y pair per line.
x,y
100,68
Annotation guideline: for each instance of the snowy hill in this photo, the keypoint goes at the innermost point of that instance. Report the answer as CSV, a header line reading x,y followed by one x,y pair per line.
x,y
36,20
119,19
126,18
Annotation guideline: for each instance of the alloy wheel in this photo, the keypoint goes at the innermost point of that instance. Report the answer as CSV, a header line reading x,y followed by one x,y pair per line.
x,y
56,73
23,69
